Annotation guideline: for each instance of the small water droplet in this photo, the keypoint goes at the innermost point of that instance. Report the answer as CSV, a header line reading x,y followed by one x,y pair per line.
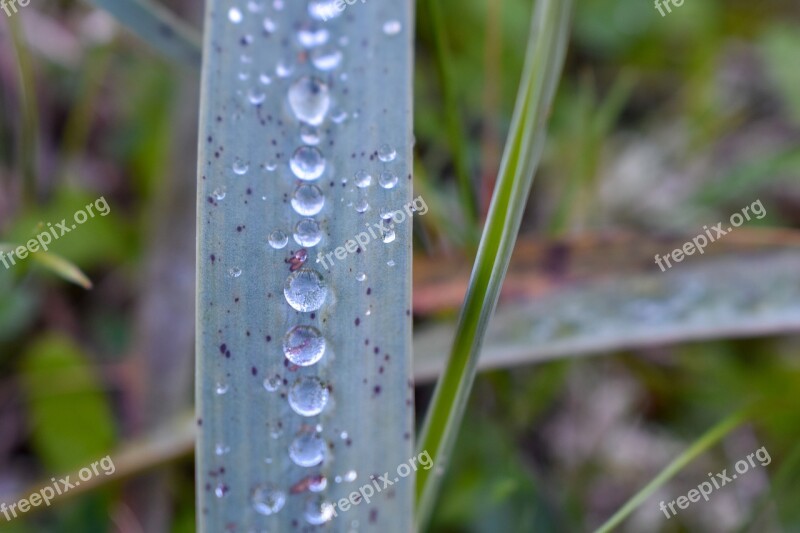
x,y
307,233
309,98
388,235
361,205
304,345
256,96
307,163
392,27
271,166
219,193
361,276
363,179
221,449
309,134
277,5
278,239
307,449
272,383
318,511
311,37
240,168
305,290
284,69
388,180
244,58
339,116
350,476
221,388
244,76
268,500
234,15
343,435
386,153
326,60
254,7
390,262
235,272
308,200
264,79
269,25
308,396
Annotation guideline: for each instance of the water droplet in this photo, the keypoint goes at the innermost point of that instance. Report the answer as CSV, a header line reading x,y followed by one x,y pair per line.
x,y
363,179
305,290
388,235
317,483
338,116
326,60
277,5
278,239
221,449
219,193
264,79
244,76
323,10
392,27
307,233
386,153
284,69
240,168
221,388
351,475
361,276
269,25
304,345
343,435
272,383
220,490
271,166
307,163
234,15
268,500
318,511
248,39
309,38
235,272
309,134
308,396
361,205
309,98
390,262
256,96
244,58
307,449
388,180
308,200
254,7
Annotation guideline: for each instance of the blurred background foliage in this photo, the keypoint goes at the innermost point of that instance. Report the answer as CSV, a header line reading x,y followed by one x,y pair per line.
x,y
661,125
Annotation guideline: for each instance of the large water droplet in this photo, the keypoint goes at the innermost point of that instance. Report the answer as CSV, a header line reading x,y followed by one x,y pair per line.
x,y
307,449
307,233
309,99
268,500
311,37
304,345
326,60
234,15
392,27
308,396
308,200
388,180
307,163
305,290
386,153
318,511
240,168
278,239
363,179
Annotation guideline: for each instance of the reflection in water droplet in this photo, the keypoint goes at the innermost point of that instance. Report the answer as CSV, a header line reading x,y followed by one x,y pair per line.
x,y
240,168
309,98
307,163
386,153
234,15
235,272
278,239
304,345
307,233
388,180
326,60
268,500
307,449
363,179
308,396
318,511
392,27
308,200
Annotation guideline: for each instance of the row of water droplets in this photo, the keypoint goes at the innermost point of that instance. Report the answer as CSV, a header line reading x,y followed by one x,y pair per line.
x,y
305,290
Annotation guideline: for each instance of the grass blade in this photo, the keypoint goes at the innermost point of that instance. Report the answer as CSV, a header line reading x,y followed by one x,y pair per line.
x,y
546,49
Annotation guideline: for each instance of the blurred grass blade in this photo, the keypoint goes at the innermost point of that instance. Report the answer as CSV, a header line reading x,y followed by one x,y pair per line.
x,y
546,49
29,138
247,480
706,441
158,27
62,268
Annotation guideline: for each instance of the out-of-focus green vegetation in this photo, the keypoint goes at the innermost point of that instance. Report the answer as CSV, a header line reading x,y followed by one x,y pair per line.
x,y
661,125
